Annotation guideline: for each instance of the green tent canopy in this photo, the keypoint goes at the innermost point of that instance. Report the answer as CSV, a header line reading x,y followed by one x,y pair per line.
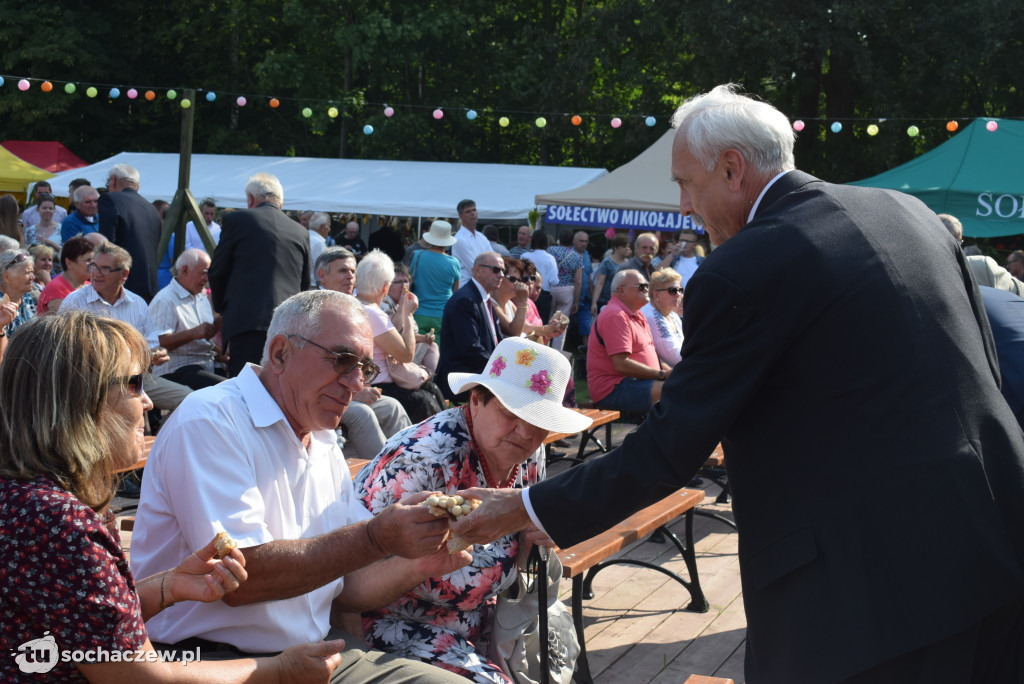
x,y
976,176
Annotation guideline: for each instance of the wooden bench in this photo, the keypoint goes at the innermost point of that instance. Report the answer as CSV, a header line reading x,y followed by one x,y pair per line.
x,y
702,679
594,554
600,417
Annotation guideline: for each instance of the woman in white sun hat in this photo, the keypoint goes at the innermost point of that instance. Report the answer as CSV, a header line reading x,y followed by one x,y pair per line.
x,y
493,441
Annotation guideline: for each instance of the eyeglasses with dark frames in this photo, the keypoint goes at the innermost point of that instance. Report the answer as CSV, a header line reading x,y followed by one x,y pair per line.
x,y
344,362
494,269
671,290
643,287
105,270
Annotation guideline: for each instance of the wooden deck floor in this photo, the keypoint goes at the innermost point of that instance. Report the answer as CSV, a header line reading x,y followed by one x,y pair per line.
x,y
637,626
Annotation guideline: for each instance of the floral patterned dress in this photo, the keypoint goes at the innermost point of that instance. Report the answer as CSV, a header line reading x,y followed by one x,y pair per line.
x,y
443,621
64,583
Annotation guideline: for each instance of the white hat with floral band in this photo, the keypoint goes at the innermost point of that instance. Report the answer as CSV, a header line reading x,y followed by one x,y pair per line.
x,y
529,380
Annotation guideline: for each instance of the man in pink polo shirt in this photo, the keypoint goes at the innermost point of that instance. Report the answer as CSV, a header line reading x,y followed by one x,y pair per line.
x,y
623,369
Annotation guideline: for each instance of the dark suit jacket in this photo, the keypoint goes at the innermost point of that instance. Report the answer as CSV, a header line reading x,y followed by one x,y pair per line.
x,y
261,260
838,348
128,220
466,341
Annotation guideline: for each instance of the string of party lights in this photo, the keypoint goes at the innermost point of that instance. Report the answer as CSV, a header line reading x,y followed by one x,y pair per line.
x,y
504,119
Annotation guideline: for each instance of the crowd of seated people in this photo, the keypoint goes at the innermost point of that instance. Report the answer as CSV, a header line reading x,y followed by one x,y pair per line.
x,y
437,613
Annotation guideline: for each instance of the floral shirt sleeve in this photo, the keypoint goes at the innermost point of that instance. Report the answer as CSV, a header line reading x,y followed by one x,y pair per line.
x,y
63,575
441,620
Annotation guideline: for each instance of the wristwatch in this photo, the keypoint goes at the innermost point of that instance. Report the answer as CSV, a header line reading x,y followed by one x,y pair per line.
x,y
661,374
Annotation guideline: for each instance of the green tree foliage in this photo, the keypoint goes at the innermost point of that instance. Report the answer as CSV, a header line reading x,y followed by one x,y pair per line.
x,y
857,62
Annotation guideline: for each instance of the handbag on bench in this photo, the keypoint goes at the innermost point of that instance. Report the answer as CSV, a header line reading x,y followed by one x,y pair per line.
x,y
515,640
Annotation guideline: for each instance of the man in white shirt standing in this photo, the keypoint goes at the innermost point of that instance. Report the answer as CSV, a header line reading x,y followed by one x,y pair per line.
x,y
319,229
106,296
471,242
209,210
183,309
257,457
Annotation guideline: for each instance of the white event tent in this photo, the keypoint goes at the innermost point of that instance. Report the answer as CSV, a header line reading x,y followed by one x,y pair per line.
x,y
638,195
362,186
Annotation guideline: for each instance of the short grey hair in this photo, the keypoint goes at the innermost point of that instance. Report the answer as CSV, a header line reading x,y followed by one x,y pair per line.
x,y
621,275
723,119
319,219
82,191
8,243
190,257
329,256
374,272
265,186
125,174
953,225
484,256
300,314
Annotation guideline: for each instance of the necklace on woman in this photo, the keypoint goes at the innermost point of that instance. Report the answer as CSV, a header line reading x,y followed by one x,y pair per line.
x,y
491,482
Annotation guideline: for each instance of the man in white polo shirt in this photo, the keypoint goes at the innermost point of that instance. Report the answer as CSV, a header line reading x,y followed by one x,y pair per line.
x,y
106,296
257,457
183,310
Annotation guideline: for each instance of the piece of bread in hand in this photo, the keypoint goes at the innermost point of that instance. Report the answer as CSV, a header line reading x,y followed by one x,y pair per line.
x,y
224,544
452,507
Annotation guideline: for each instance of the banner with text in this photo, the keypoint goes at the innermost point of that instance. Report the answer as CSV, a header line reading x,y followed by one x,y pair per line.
x,y
631,219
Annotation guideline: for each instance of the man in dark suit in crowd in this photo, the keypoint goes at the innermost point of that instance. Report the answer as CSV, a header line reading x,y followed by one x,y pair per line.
x,y
261,260
835,335
469,328
128,220
1006,315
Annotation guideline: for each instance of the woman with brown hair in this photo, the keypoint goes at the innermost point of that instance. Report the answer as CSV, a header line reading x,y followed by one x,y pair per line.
x,y
71,388
10,225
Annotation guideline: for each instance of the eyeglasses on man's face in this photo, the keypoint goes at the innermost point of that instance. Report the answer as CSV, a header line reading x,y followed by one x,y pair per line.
x,y
105,270
345,362
643,287
496,270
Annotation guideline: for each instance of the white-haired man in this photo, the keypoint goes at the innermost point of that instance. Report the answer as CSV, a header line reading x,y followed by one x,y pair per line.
x,y
261,260
319,230
183,310
257,457
371,418
835,332
130,221
84,220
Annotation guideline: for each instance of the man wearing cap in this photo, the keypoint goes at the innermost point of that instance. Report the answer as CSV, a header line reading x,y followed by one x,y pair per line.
x,y
493,441
435,276
470,330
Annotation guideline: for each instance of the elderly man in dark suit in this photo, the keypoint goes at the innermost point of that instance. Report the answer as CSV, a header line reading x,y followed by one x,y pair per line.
x,y
836,332
469,328
128,220
261,260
